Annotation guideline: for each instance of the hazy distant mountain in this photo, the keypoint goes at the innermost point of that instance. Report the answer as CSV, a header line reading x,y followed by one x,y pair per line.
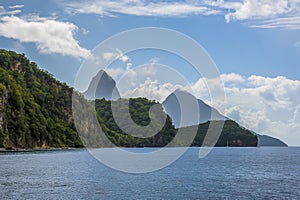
x,y
36,112
264,141
102,86
189,103
181,101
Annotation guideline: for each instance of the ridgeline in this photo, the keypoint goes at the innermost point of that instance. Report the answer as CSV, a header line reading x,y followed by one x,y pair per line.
x,y
36,112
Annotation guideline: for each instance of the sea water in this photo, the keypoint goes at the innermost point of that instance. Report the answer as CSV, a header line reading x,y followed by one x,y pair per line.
x,y
226,173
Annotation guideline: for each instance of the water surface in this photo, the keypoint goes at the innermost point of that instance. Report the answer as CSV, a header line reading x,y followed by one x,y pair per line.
x,y
226,173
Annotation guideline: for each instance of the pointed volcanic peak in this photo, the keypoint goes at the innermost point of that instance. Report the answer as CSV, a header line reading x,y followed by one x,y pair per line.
x,y
186,110
102,86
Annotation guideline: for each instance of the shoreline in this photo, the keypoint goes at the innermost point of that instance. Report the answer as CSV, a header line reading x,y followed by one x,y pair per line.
x,y
40,149
3,150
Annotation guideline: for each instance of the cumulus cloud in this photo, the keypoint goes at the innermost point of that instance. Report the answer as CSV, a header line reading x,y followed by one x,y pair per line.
x,y
152,89
266,105
49,35
232,78
108,56
263,104
283,14
259,9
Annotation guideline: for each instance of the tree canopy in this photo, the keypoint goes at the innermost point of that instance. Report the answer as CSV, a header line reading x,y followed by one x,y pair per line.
x,y
36,112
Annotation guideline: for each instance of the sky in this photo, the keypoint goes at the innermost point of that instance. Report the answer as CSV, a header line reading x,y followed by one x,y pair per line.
x,y
254,43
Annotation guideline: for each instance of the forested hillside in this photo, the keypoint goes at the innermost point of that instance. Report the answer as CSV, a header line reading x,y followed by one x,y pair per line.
x,y
36,112
35,108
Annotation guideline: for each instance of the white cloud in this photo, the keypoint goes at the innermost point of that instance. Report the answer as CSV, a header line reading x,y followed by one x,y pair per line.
x,y
283,14
291,22
83,30
137,7
115,72
110,56
16,6
3,11
259,13
49,35
149,80
265,105
296,116
251,9
232,78
152,89
128,66
121,56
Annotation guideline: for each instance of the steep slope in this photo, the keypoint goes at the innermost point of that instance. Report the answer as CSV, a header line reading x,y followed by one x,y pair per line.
x,y
267,141
232,135
181,100
35,109
191,105
102,86
139,112
36,112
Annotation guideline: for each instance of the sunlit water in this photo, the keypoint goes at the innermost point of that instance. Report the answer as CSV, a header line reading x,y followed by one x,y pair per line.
x,y
226,173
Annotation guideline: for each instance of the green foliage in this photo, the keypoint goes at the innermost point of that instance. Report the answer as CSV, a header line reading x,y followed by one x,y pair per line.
x,y
2,90
139,112
232,135
36,111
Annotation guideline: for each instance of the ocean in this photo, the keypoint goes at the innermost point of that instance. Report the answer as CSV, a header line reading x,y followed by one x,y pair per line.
x,y
226,173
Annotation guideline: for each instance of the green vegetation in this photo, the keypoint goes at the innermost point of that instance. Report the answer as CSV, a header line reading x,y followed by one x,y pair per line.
x,y
232,135
138,109
36,112
37,109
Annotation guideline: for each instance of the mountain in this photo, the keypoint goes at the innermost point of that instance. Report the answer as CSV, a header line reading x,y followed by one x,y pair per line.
x,y
36,112
181,107
187,111
102,86
231,135
265,141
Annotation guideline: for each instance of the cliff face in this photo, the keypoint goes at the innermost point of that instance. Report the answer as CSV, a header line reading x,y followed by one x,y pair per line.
x,y
36,111
35,108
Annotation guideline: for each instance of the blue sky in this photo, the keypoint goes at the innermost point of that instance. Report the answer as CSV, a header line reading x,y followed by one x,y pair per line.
x,y
254,43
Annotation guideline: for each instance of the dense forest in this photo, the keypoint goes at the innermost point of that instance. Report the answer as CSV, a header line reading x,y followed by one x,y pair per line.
x,y
36,112
232,134
35,108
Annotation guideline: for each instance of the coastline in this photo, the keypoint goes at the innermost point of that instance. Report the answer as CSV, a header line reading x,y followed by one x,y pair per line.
x,y
3,150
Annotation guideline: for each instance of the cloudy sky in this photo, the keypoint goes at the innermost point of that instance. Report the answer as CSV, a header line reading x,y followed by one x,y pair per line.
x,y
254,43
